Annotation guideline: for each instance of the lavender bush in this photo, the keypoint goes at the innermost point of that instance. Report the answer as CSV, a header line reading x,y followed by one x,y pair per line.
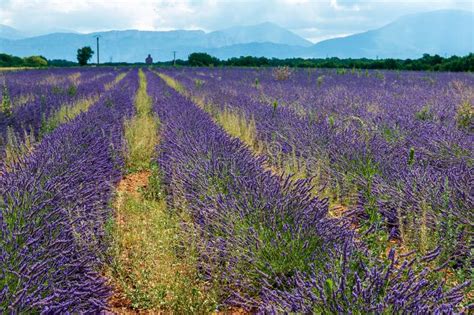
x,y
44,92
53,209
389,145
267,244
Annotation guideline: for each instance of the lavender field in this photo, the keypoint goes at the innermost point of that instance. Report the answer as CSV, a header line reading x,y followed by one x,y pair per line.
x,y
236,190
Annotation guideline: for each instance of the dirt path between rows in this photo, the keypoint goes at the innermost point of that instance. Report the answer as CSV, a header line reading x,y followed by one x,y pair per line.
x,y
131,184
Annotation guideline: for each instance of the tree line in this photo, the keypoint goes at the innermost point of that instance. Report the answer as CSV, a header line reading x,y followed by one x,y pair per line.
x,y
13,61
84,54
426,62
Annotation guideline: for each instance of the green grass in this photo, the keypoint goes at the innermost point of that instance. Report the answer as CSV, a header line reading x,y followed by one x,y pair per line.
x,y
172,83
153,258
66,113
154,261
119,78
140,135
141,131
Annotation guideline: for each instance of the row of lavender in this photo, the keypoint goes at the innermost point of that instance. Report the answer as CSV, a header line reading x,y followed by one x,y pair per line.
x,y
54,206
392,143
43,93
16,84
266,245
324,92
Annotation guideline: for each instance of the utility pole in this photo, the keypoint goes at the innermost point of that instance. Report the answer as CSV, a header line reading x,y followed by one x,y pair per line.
x,y
174,58
97,37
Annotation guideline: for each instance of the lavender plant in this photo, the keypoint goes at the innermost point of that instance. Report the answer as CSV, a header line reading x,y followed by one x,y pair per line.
x,y
406,158
267,244
53,208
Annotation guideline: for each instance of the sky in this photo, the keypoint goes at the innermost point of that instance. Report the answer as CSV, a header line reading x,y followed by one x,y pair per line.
x,y
313,20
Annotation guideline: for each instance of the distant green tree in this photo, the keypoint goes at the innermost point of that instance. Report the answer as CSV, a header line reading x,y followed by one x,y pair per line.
x,y
35,61
84,54
10,61
61,63
202,60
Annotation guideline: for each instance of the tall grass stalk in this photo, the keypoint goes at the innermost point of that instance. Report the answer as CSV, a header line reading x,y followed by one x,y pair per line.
x,y
17,146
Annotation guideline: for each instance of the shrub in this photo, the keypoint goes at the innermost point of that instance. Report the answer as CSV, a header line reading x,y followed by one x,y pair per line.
x,y
35,61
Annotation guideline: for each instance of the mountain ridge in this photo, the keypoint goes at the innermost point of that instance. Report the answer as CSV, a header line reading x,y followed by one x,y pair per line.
x,y
443,32
422,33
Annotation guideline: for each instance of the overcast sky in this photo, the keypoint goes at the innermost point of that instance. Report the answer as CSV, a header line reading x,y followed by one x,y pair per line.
x,y
314,20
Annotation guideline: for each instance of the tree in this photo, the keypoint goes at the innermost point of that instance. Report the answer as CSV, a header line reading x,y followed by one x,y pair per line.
x,y
35,61
202,59
84,54
10,61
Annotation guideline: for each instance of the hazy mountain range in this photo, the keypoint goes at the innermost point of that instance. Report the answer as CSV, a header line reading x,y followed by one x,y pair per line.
x,y
446,32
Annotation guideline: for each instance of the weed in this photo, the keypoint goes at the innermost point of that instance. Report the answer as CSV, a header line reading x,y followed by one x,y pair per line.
x,y
282,73
6,102
72,90
198,83
465,116
17,146
275,106
154,189
425,113
320,80
411,156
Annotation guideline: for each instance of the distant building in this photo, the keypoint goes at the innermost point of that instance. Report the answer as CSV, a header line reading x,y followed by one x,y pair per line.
x,y
149,60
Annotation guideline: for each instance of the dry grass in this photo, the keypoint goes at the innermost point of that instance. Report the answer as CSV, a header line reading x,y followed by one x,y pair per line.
x,y
75,78
238,126
142,100
23,99
15,68
17,146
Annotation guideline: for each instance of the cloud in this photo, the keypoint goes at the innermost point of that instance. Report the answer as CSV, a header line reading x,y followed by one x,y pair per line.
x,y
315,20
